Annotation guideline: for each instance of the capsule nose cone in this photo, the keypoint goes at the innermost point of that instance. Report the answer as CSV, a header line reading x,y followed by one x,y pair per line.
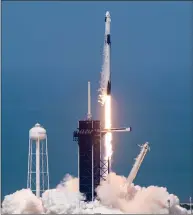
x,y
107,14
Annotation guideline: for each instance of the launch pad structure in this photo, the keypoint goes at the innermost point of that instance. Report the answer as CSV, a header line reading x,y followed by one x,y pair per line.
x,y
92,168
92,165
88,137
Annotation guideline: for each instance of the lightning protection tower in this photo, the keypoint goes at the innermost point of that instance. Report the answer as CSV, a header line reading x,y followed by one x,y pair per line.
x,y
38,174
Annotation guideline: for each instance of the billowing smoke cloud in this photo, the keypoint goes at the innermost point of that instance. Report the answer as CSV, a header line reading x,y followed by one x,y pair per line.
x,y
64,199
116,196
115,192
22,202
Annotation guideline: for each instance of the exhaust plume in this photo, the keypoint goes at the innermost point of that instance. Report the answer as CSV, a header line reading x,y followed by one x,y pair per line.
x,y
66,199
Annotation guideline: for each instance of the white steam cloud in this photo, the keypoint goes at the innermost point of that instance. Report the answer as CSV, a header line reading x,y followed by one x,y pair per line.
x,y
22,202
115,198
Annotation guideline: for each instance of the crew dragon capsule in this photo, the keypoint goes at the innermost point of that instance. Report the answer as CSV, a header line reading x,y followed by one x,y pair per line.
x,y
108,44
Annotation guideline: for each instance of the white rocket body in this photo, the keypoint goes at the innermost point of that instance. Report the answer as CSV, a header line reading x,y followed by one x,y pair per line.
x,y
105,88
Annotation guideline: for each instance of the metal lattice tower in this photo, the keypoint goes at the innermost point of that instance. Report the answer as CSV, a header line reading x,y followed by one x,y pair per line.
x,y
38,172
104,169
92,167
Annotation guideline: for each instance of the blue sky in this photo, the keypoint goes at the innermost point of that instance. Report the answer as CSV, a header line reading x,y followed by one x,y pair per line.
x,y
49,52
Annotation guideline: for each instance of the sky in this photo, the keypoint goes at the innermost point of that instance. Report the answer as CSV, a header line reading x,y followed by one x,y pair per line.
x,y
49,52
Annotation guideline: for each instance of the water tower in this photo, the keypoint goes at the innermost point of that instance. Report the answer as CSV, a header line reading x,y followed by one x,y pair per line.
x,y
38,173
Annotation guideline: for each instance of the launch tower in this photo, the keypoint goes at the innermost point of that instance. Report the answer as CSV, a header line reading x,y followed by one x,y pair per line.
x,y
88,137
92,168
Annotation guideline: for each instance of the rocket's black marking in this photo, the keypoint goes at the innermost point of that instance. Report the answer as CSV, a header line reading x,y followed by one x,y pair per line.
x,y
108,39
109,88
